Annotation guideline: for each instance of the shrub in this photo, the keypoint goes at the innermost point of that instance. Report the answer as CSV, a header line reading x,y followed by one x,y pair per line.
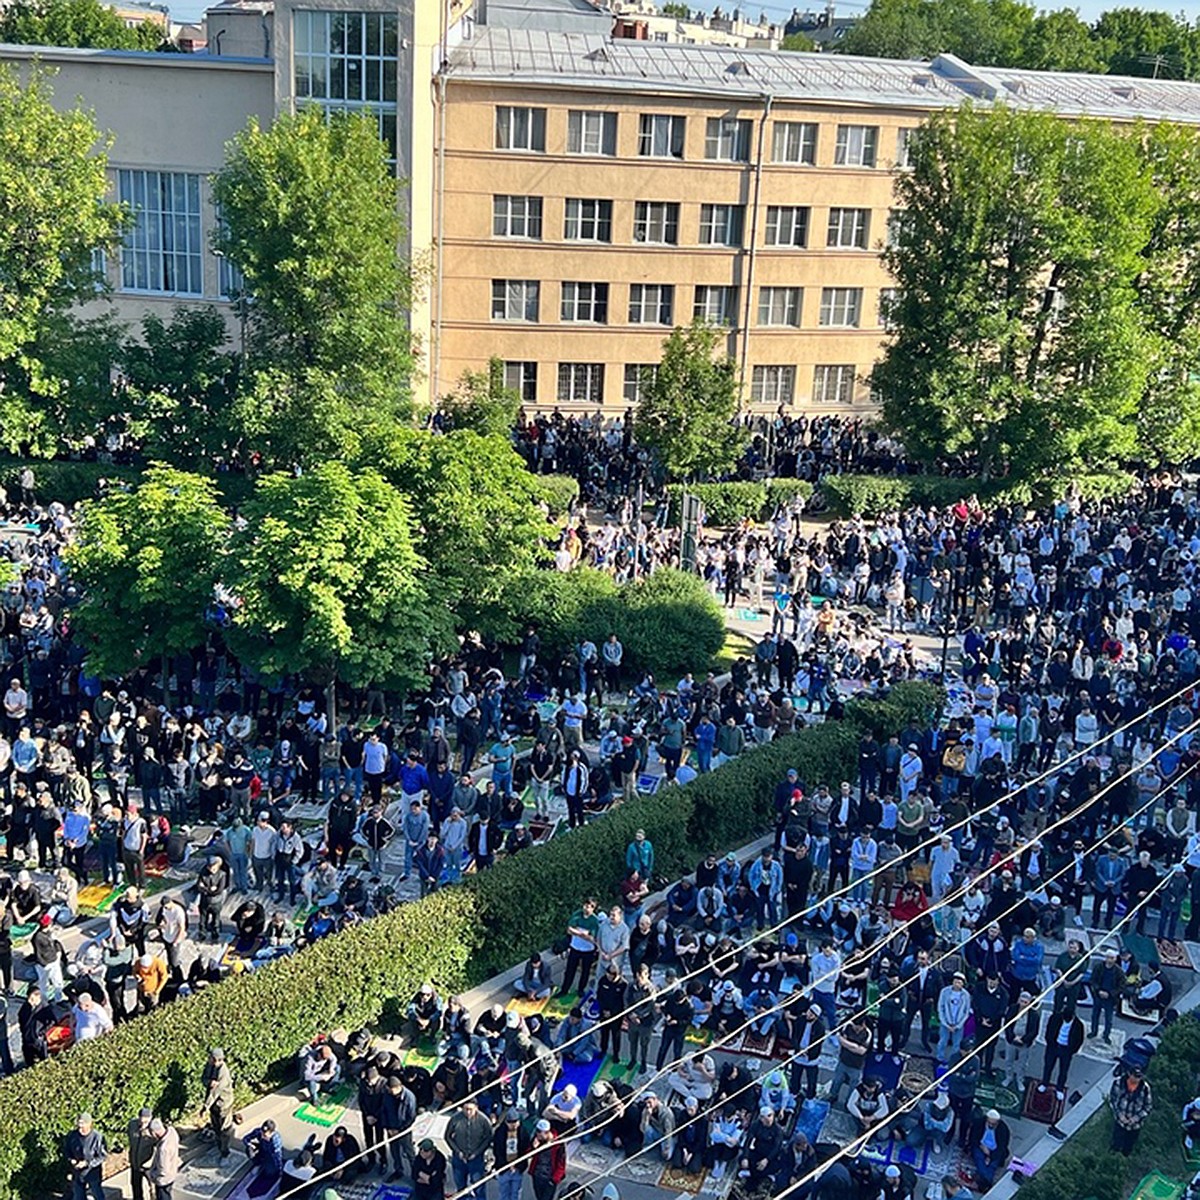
x,y
724,503
64,480
558,491
669,623
780,491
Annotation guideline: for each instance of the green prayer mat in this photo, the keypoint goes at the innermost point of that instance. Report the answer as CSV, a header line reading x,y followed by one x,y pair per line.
x,y
612,1071
996,1095
424,1054
20,932
1144,949
560,1006
330,1111
104,905
1157,1186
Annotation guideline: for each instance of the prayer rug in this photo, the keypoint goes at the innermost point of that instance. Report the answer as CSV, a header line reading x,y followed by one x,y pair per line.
x,y
918,1073
1173,954
560,1006
19,933
1192,1156
384,1191
1157,1186
582,1075
757,1044
906,1156
423,1054
701,1036
526,1007
996,1095
1131,1014
96,894
241,1190
1043,1106
612,1069
157,864
678,1180
1098,1050
648,784
810,1119
1144,949
240,950
330,1111
886,1068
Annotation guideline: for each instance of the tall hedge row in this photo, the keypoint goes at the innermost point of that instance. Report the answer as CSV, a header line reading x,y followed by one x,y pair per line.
x,y
462,935
729,503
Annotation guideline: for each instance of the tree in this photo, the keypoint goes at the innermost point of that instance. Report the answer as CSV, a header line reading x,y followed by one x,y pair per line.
x,y
327,580
1018,339
1149,43
84,24
1060,41
309,216
180,384
1168,288
688,408
798,42
892,29
480,517
482,402
54,211
146,563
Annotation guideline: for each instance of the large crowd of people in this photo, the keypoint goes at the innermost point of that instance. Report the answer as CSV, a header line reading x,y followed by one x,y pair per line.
x,y
1057,795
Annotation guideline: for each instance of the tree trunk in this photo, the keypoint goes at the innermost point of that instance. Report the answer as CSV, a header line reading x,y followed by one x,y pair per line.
x,y
166,681
331,703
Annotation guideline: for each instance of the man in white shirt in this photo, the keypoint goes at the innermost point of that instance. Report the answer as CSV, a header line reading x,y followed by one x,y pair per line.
x,y
16,707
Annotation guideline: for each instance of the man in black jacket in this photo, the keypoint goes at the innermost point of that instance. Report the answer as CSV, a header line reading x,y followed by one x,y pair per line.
x,y
371,1087
85,1153
809,1037
399,1110
988,1143
924,986
989,1003
1064,1036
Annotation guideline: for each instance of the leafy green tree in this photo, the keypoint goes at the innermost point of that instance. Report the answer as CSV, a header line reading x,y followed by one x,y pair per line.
x,y
482,402
84,24
328,582
1148,42
480,515
309,215
146,562
892,29
1168,288
180,384
688,409
1060,41
679,11
1018,337
54,211
800,42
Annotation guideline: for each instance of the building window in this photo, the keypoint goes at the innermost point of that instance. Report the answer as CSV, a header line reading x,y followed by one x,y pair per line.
x,y
591,132
515,299
721,224
520,128
779,306
521,377
580,383
661,135
348,62
517,217
848,228
99,268
787,225
651,303
773,385
856,145
716,304
727,139
638,377
904,138
888,298
794,142
231,283
163,250
585,302
841,308
833,384
895,228
656,222
588,221
660,36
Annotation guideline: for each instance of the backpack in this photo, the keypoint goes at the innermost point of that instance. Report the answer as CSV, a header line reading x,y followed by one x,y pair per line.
x,y
1137,1054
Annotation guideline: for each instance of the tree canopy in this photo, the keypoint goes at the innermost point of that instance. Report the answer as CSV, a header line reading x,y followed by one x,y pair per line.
x,y
84,24
1011,33
309,216
688,407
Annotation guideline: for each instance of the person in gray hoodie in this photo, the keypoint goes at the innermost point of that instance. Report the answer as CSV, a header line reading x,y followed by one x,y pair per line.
x,y
415,827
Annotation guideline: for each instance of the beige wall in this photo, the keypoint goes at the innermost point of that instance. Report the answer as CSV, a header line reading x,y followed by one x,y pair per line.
x,y
475,171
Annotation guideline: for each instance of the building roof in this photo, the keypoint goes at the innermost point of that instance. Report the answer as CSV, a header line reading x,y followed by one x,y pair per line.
x,y
557,16
138,58
531,57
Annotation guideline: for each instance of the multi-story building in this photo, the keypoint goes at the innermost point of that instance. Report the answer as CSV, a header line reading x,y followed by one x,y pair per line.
x,y
569,196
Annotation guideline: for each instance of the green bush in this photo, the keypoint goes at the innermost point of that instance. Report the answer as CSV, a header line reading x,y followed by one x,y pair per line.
x,y
669,624
724,503
559,492
63,480
460,935
780,491
260,1018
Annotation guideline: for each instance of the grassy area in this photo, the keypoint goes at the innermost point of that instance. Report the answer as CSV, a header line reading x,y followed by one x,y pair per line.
x,y
736,645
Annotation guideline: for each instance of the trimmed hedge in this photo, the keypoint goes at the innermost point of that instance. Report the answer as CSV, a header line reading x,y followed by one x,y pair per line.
x,y
729,503
62,479
559,492
461,935
871,495
1109,1176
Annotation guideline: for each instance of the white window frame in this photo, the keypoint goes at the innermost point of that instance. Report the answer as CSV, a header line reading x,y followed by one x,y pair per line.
x,y
841,308
591,132
780,307
580,383
662,135
656,222
833,383
773,385
727,139
162,252
848,229
518,300
584,302
637,376
857,146
517,217
904,138
521,128
783,223
651,303
794,143
722,225
703,308
520,376
587,220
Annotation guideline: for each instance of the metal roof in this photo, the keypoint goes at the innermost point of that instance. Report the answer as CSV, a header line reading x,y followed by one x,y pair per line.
x,y
533,57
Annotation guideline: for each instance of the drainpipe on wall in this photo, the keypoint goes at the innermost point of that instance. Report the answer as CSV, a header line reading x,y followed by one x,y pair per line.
x,y
439,235
748,299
